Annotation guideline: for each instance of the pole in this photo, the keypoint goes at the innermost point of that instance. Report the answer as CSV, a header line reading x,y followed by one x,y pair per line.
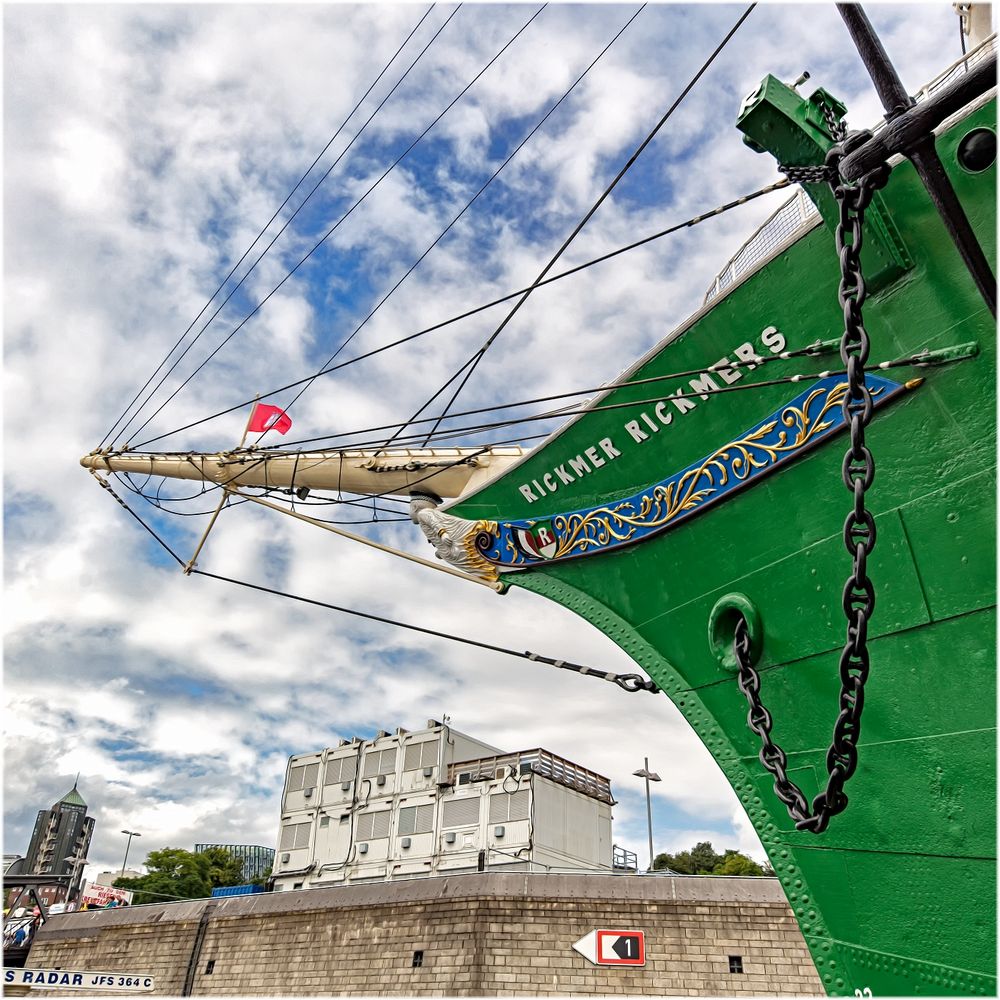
x,y
649,813
128,844
218,510
922,153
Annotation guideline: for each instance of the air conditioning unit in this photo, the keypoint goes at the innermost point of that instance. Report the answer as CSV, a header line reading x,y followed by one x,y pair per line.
x,y
380,780
501,773
381,733
498,832
362,848
428,771
342,743
449,837
307,793
405,842
345,786
285,858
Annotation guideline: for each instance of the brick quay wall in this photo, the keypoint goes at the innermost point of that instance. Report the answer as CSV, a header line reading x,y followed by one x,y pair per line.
x,y
488,934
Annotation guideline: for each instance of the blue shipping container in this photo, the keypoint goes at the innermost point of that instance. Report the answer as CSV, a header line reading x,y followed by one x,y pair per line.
x,y
237,890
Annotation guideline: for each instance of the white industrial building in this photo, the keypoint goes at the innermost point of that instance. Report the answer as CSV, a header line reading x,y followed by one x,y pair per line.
x,y
436,801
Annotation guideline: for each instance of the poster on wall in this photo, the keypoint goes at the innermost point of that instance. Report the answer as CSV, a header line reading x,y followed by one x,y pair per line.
x,y
94,896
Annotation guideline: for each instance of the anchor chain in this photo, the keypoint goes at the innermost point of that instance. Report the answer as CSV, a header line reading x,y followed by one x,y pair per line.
x,y
858,472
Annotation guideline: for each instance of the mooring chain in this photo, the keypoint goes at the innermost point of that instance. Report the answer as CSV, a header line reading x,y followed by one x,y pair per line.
x,y
858,471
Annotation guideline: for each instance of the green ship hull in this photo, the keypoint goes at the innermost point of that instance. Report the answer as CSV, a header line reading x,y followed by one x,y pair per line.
x,y
897,897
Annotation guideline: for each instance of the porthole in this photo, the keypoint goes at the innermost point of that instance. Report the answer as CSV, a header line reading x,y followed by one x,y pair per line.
x,y
978,150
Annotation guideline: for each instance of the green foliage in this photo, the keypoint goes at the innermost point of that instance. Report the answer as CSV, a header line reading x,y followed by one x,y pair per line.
x,y
173,873
225,868
702,859
735,863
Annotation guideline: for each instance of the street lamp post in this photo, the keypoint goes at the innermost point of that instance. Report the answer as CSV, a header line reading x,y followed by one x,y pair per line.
x,y
649,776
128,844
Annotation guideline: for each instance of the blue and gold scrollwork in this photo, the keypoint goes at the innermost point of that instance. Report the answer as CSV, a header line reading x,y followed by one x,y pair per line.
x,y
809,418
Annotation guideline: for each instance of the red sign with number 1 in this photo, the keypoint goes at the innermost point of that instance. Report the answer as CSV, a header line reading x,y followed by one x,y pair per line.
x,y
621,948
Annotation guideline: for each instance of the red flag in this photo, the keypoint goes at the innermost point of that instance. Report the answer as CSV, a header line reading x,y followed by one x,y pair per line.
x,y
269,418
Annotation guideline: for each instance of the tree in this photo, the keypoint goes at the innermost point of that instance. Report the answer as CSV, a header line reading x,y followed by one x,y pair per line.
x,y
735,863
173,873
225,868
702,859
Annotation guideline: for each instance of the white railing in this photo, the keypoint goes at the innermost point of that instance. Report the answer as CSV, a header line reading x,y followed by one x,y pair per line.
x,y
797,213
958,68
536,761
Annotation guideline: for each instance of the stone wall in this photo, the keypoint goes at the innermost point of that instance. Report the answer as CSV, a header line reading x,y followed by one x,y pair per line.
x,y
487,934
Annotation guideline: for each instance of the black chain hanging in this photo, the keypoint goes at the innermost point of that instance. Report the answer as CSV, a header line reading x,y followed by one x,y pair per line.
x,y
858,472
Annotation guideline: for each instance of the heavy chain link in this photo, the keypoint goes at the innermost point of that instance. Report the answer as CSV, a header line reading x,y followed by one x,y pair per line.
x,y
858,471
824,172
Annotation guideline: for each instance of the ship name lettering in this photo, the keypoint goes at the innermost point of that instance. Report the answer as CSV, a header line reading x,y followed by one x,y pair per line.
x,y
581,465
704,385
645,425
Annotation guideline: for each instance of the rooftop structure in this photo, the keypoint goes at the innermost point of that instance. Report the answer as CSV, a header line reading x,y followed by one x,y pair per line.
x,y
436,801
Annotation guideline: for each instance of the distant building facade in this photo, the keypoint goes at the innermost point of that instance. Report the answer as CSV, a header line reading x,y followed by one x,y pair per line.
x,y
256,860
436,801
109,878
59,843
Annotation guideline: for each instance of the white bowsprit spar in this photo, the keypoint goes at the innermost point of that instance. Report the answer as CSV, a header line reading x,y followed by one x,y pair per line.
x,y
447,473
426,476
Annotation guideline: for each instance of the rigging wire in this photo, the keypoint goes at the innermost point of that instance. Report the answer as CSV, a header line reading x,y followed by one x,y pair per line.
x,y
695,220
574,410
813,350
628,682
258,237
478,356
276,493
920,360
468,205
330,231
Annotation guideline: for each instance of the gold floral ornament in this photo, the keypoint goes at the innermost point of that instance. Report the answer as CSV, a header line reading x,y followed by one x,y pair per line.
x,y
809,418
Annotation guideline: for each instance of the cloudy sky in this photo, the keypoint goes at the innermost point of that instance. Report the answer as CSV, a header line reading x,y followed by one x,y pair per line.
x,y
145,148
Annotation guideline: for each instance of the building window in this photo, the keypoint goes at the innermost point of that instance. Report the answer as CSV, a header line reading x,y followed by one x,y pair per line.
x,y
303,776
210,968
420,755
341,769
294,837
324,821
415,819
460,812
506,808
735,963
373,826
380,762
418,959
